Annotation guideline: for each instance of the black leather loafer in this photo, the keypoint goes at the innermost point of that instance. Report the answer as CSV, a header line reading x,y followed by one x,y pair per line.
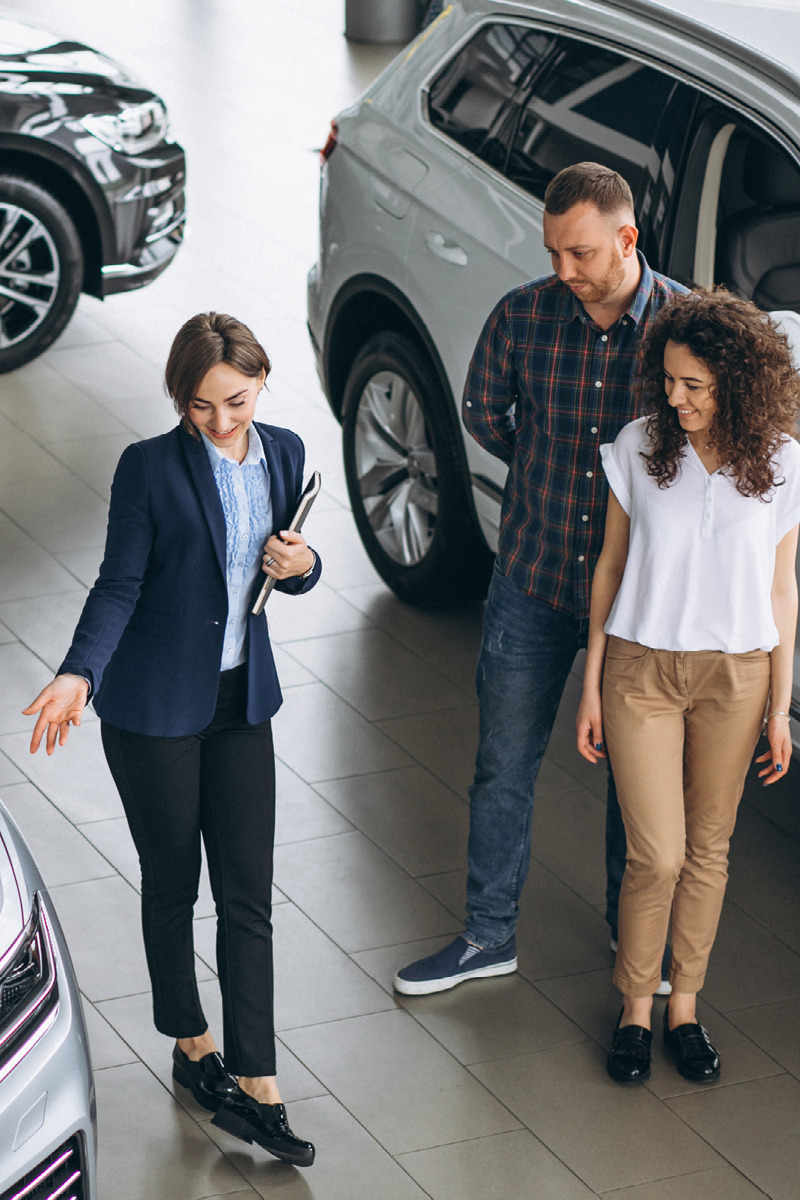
x,y
629,1056
690,1046
207,1079
243,1117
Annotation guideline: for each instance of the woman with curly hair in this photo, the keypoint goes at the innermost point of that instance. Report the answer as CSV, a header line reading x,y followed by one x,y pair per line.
x,y
691,641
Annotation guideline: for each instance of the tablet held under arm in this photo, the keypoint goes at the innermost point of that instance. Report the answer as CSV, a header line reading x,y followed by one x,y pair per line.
x,y
309,495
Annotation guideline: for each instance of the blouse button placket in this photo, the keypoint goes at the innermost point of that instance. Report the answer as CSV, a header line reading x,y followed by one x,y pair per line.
x,y
708,508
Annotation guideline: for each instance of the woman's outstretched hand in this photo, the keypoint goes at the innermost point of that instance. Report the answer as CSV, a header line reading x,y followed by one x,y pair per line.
x,y
779,755
59,705
589,725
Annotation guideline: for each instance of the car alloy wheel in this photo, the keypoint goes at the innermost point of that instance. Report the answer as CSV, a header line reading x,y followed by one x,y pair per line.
x,y
403,463
41,270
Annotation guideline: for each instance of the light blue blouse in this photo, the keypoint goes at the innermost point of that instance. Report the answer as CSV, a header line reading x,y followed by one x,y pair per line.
x,y
244,491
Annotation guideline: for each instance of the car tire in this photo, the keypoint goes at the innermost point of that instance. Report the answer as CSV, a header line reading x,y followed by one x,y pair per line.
x,y
406,477
41,270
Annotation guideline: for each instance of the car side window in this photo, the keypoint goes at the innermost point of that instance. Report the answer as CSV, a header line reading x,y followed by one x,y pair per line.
x,y
739,218
758,222
473,100
589,104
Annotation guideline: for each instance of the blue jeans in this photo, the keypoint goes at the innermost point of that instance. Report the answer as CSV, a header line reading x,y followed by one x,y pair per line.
x,y
527,651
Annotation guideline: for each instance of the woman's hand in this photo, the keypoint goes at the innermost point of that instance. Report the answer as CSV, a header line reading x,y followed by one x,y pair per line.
x,y
287,555
589,724
779,754
59,705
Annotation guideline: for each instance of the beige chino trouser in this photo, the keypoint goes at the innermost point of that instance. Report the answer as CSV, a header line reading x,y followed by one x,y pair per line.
x,y
680,729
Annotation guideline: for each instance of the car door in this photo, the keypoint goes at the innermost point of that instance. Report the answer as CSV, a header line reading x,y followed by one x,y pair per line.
x,y
564,100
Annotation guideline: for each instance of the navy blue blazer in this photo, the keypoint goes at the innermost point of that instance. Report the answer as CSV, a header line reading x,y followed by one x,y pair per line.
x,y
150,636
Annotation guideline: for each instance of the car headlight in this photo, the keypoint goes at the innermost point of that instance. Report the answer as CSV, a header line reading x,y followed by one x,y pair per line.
x,y
133,130
28,991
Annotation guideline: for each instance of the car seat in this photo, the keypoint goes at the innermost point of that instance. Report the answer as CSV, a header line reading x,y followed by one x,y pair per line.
x,y
759,248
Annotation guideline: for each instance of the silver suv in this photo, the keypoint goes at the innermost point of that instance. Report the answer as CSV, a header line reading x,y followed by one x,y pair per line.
x,y
431,209
47,1098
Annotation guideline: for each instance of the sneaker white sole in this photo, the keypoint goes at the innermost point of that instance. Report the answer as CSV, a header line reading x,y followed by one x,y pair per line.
x,y
425,987
664,988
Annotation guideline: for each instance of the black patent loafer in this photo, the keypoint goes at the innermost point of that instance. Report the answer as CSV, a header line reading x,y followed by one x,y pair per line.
x,y
690,1046
243,1117
207,1079
629,1056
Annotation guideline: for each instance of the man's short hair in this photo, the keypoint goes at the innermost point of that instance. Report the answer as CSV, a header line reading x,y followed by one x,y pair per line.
x,y
587,182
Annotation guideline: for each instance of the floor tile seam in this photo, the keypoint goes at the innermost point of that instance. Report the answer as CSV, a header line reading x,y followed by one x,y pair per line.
x,y
325,1021
726,1016
784,833
578,789
401,645
757,921
51,593
553,875
461,1066
347,953
74,825
585,1039
721,1085
73,549
619,1193
361,774
368,837
80,882
201,1123
49,554
487,1137
284,642
382,772
706,1142
40,446
376,721
354,1116
464,1067
44,447
567,767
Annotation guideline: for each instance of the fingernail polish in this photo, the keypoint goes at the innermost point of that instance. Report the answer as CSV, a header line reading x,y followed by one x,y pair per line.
x,y
778,766
598,745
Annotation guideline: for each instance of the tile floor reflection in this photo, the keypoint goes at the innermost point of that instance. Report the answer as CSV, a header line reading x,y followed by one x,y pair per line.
x,y
496,1089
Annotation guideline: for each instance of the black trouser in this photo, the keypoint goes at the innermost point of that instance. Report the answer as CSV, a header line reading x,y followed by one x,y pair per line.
x,y
218,784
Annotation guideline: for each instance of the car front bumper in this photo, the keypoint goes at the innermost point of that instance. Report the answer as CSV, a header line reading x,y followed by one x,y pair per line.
x,y
47,1098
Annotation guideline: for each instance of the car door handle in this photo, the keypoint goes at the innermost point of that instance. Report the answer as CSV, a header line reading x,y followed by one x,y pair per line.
x,y
450,251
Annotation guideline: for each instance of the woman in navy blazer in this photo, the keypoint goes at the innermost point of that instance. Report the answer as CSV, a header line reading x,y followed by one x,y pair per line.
x,y
183,678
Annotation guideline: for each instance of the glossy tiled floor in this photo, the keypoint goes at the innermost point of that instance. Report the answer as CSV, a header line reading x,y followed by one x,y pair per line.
x,y
497,1089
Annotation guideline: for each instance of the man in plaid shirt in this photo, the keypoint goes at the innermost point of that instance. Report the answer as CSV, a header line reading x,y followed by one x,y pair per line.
x,y
550,381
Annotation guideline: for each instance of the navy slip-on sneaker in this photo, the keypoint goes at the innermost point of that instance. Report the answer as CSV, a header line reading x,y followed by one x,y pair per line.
x,y
452,965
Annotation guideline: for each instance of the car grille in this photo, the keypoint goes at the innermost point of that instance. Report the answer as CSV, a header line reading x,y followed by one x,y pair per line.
x,y
60,1176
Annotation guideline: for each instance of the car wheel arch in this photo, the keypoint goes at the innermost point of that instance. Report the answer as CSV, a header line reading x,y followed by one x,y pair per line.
x,y
58,176
366,305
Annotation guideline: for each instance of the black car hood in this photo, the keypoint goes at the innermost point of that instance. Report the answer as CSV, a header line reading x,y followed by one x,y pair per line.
x,y
34,52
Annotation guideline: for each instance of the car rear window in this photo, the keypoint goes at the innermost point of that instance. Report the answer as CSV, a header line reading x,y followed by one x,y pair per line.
x,y
474,97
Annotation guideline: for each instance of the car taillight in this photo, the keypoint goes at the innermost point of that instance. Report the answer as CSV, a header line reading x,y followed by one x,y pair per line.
x,y
329,147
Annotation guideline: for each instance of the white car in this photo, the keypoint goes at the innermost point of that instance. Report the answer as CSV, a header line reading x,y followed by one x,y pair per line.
x,y
47,1100
431,209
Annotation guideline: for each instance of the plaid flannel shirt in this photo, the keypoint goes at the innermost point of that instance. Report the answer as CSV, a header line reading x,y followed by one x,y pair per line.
x,y
545,389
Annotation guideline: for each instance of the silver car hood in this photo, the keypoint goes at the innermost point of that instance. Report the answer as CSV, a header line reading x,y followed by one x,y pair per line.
x,y
19,879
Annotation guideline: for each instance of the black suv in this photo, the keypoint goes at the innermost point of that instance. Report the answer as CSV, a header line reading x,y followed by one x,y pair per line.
x,y
91,185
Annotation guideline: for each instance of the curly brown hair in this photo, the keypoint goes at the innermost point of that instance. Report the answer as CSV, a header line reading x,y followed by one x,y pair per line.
x,y
756,387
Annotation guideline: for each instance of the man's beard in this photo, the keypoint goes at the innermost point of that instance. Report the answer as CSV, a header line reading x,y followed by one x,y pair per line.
x,y
604,289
